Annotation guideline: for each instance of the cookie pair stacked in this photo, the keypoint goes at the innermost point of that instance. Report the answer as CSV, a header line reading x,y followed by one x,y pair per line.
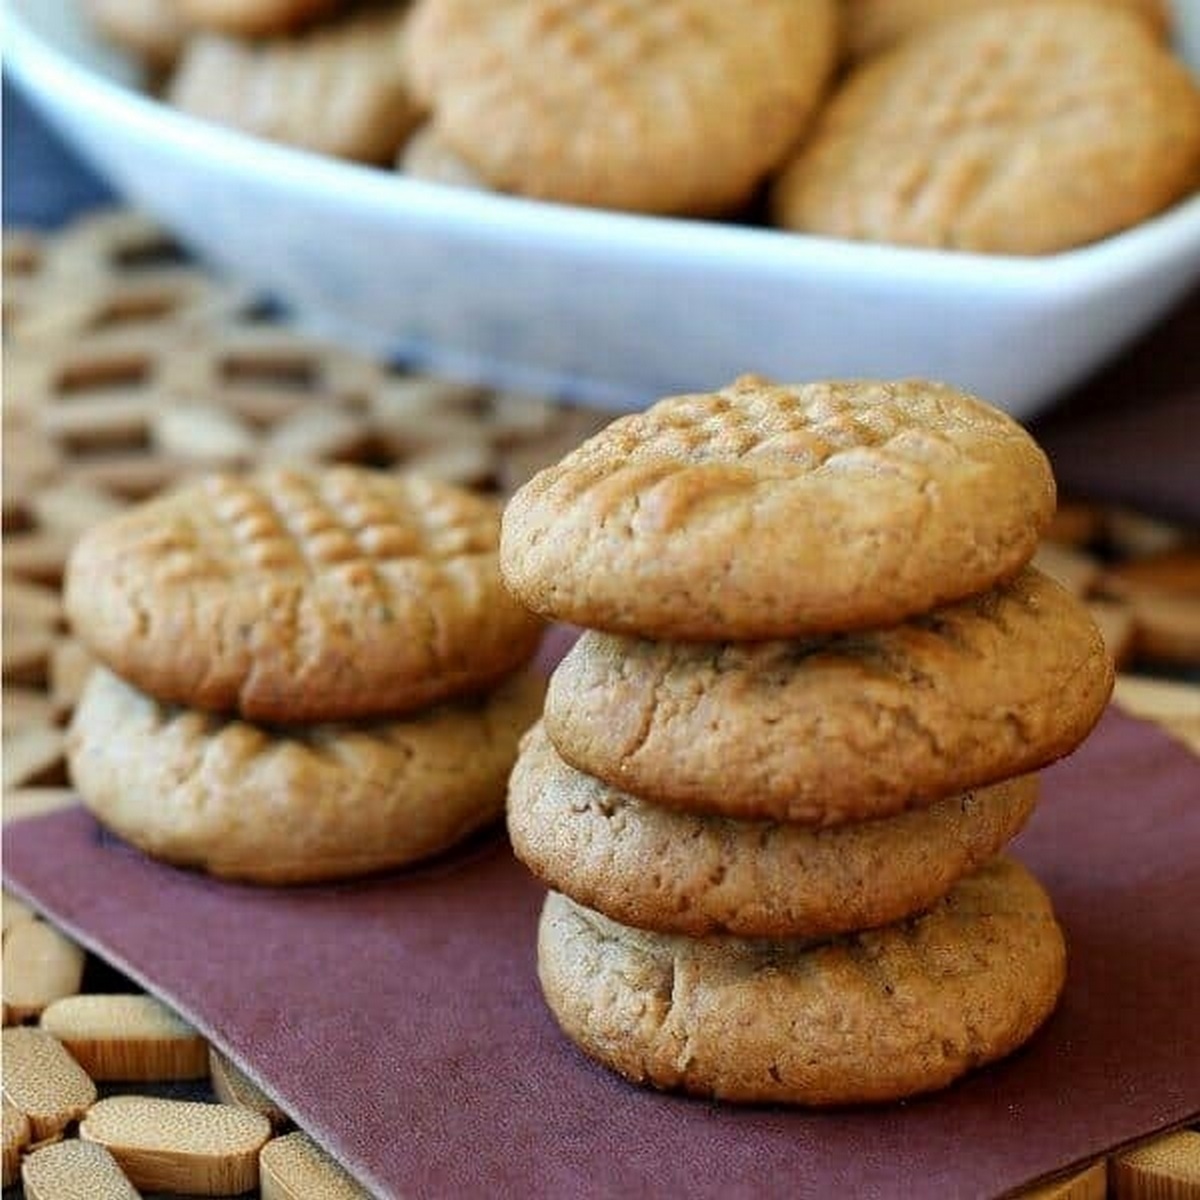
x,y
773,776
308,674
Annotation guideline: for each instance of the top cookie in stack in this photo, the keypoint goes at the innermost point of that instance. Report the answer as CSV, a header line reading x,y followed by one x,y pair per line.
x,y
297,595
762,511
698,775
310,674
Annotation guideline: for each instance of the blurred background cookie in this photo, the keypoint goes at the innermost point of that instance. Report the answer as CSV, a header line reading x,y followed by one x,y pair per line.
x,y
869,26
338,89
426,156
1021,130
152,30
676,107
255,18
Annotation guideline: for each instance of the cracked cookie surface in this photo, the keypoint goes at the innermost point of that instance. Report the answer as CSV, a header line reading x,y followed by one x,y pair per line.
x,y
294,805
680,106
842,728
868,1017
1019,130
654,868
297,595
767,510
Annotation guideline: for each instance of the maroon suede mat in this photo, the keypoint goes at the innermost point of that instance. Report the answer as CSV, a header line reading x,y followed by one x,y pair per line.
x,y
399,1020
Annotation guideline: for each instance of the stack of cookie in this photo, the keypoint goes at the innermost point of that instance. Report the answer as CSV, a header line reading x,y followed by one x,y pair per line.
x,y
769,796
307,675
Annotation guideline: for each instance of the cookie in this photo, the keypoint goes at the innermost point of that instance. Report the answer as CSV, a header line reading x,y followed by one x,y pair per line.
x,y
297,595
869,26
340,89
295,805
426,156
152,30
845,728
653,868
255,18
682,106
768,510
868,1017
1013,131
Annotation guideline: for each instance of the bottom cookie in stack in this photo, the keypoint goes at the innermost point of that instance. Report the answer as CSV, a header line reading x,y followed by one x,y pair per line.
x,y
297,804
871,1016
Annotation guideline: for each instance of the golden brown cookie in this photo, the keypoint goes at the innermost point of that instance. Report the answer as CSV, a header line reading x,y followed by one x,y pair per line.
x,y
681,106
340,89
674,872
297,595
152,30
767,510
1016,131
300,804
867,1017
255,18
869,26
843,728
426,156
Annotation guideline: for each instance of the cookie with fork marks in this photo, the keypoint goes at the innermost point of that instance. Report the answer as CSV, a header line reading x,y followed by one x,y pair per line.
x,y
301,595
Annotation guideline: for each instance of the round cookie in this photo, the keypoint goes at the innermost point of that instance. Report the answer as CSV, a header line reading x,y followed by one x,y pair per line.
x,y
868,1017
765,510
426,156
293,805
654,868
255,18
681,106
844,728
301,595
1023,130
869,26
338,89
149,29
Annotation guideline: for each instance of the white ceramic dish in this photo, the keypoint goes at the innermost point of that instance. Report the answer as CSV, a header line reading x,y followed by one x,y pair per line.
x,y
604,307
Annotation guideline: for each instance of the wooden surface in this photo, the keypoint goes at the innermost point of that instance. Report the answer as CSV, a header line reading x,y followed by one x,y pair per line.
x,y
128,370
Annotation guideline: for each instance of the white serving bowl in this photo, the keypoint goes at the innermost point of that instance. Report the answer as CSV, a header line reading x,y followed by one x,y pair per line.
x,y
600,306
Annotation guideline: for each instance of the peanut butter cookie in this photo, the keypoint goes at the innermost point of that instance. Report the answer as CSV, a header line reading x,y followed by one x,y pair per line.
x,y
843,728
869,26
765,510
680,106
1023,130
339,89
867,1017
299,804
255,18
425,156
297,595
674,872
151,30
